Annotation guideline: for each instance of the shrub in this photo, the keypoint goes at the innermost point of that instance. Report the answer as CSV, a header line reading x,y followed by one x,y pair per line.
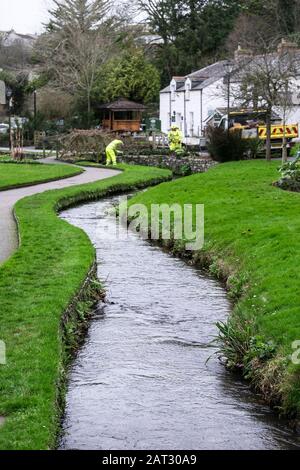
x,y
226,146
254,147
81,143
185,170
295,151
291,170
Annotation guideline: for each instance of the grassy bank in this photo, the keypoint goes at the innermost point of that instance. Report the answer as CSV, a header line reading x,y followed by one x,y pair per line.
x,y
252,239
36,287
14,175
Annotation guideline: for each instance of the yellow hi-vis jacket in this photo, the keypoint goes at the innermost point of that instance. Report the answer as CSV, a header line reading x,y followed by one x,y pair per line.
x,y
114,145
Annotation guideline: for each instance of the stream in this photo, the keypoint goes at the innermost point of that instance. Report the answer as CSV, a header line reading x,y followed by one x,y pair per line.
x,y
142,380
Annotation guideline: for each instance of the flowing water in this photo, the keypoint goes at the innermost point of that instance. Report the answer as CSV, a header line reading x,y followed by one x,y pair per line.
x,y
142,380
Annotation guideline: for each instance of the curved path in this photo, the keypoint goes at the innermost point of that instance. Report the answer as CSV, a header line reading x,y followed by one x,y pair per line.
x,y
8,228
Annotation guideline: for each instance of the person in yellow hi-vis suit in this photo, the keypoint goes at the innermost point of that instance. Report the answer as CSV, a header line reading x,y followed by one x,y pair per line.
x,y
111,151
175,139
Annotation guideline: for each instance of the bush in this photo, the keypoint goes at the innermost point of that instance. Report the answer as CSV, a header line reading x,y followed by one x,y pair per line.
x,y
255,147
291,170
295,151
80,144
226,146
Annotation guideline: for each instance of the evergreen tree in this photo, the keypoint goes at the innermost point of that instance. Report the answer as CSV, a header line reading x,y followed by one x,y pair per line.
x,y
83,15
193,32
129,76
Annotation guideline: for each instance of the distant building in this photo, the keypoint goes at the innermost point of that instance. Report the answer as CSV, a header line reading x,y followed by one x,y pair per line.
x,y
191,101
9,38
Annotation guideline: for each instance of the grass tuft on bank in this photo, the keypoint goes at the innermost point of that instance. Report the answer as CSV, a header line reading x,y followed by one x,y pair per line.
x,y
13,175
37,285
252,239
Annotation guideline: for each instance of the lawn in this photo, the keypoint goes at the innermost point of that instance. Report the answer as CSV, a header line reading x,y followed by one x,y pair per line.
x,y
13,175
252,238
37,285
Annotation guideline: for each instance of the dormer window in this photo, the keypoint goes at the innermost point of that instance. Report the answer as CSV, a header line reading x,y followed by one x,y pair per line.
x,y
188,86
173,90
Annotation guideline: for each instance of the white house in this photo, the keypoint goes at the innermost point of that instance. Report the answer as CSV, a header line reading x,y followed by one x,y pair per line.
x,y
10,38
189,101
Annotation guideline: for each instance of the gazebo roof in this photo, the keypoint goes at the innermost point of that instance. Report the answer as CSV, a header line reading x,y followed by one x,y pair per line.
x,y
123,104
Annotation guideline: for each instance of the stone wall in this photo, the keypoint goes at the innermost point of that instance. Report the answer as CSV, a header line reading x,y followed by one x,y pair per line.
x,y
178,165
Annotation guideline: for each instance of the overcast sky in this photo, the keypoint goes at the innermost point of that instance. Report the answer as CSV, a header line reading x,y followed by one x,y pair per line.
x,y
24,16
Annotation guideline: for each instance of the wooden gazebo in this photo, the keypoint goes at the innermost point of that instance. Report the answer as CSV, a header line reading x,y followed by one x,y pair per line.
x,y
122,115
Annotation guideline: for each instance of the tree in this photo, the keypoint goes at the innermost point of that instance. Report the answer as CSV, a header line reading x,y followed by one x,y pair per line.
x,y
130,76
81,15
268,20
54,103
283,15
193,31
251,31
76,43
18,83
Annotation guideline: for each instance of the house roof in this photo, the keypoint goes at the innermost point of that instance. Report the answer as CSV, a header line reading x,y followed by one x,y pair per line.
x,y
10,37
123,104
201,78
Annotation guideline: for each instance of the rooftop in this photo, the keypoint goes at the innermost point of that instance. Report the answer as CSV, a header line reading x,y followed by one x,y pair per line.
x,y
122,104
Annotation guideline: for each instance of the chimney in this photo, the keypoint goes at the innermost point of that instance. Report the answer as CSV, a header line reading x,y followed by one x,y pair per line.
x,y
241,54
286,46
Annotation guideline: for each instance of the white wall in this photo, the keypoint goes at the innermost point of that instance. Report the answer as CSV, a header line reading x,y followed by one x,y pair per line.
x,y
193,114
164,111
201,104
177,110
173,107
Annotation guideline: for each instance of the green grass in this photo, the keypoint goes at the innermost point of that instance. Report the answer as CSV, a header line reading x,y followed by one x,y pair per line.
x,y
13,175
5,158
36,286
252,236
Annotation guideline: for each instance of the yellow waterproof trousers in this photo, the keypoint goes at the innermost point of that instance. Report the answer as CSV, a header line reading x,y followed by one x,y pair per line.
x,y
111,158
175,146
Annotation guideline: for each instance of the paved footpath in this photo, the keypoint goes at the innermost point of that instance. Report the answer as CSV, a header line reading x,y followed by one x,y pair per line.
x,y
8,227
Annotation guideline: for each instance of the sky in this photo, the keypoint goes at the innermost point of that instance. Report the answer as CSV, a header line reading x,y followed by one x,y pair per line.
x,y
24,16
